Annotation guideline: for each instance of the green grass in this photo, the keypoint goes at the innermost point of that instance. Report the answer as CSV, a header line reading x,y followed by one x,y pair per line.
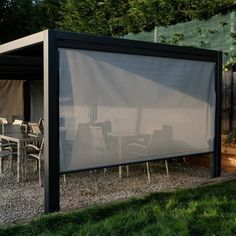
x,y
209,210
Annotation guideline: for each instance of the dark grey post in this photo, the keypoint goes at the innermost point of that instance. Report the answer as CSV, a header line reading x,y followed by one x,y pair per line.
x,y
51,115
217,142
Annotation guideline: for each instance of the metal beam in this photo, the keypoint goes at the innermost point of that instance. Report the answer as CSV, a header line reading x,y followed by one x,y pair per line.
x,y
22,43
20,61
109,44
20,70
20,77
20,67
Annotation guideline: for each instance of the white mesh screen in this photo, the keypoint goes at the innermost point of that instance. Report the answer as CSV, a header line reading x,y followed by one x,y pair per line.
x,y
117,108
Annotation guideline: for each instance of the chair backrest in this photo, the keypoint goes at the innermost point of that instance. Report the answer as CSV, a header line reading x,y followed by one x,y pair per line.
x,y
160,140
41,125
154,146
34,128
106,128
17,122
98,140
3,120
16,117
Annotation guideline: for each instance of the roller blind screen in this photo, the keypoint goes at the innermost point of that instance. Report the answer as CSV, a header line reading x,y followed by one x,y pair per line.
x,y
118,108
11,98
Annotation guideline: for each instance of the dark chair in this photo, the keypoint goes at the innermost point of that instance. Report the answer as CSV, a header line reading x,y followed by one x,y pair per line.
x,y
145,150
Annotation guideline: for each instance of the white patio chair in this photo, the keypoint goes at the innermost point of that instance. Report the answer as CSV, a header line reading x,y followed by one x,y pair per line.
x,y
35,152
6,152
144,150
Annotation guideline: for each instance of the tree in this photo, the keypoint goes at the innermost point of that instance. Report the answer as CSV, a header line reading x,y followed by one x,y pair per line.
x,y
46,14
92,16
104,17
110,17
15,19
19,18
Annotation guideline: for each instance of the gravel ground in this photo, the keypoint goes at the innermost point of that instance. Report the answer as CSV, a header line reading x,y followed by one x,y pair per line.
x,y
25,200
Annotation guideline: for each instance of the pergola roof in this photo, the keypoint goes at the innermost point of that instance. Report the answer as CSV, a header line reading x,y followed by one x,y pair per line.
x,y
22,58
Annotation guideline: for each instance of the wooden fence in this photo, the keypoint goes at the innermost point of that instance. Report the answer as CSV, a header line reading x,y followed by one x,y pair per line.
x,y
228,152
228,101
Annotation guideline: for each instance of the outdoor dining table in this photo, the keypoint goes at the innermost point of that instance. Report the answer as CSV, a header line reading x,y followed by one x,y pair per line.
x,y
20,139
122,137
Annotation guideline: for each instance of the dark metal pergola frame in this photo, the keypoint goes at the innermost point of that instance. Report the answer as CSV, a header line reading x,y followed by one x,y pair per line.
x,y
29,55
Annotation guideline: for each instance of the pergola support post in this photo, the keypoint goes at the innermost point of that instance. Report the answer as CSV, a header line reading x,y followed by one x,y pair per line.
x,y
216,160
51,114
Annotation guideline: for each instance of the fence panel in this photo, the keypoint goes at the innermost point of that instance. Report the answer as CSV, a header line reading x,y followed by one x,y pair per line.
x,y
227,86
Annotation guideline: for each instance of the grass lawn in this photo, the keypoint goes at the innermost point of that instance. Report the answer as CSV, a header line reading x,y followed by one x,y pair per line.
x,y
209,210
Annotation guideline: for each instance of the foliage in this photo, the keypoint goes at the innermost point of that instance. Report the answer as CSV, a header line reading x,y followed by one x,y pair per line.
x,y
230,65
105,17
19,18
201,211
15,19
231,137
47,13
92,16
111,17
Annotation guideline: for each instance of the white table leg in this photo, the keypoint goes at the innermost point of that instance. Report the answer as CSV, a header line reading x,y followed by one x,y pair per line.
x,y
18,161
120,156
120,172
0,159
127,170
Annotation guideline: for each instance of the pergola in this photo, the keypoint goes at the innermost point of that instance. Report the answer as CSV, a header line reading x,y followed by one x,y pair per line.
x,y
65,62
